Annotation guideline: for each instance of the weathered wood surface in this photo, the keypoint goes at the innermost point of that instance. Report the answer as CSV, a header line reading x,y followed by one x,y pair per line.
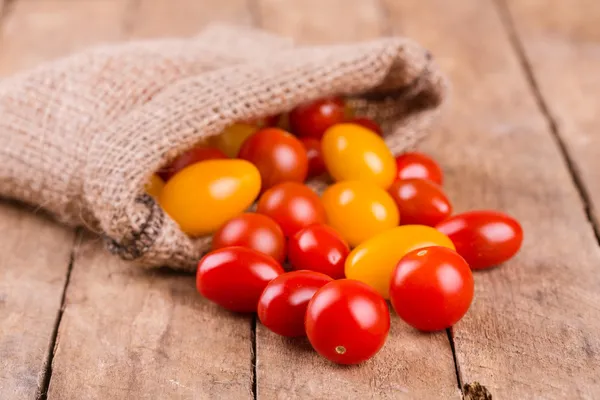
x,y
533,329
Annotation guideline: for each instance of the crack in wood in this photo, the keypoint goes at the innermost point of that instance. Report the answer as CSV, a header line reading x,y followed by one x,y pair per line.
x,y
453,348
517,45
253,323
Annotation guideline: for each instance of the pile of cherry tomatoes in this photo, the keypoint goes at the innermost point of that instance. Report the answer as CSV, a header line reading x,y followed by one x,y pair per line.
x,y
383,230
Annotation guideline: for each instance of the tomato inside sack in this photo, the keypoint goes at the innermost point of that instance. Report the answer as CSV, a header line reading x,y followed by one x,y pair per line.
x,y
255,231
367,123
282,305
483,238
420,201
314,118
192,156
347,322
418,165
235,277
230,140
431,288
155,186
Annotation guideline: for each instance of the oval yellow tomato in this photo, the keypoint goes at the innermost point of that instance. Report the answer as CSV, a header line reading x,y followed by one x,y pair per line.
x,y
155,186
373,261
353,152
203,196
230,140
359,210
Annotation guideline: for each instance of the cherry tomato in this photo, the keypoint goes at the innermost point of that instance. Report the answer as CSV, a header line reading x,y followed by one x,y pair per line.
x,y
155,186
367,123
230,140
313,119
278,155
293,206
203,196
235,277
418,165
373,261
347,322
255,231
318,248
282,305
431,288
352,152
316,165
483,238
192,156
359,210
420,202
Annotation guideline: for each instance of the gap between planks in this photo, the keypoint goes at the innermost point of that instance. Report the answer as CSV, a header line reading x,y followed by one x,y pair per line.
x,y
517,45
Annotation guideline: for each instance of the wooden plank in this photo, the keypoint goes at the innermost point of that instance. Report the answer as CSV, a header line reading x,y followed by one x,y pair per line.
x,y
560,41
411,365
533,329
127,333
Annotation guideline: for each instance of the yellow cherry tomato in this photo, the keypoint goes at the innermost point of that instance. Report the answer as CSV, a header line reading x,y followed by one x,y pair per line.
x,y
359,210
203,196
374,261
230,140
155,186
353,152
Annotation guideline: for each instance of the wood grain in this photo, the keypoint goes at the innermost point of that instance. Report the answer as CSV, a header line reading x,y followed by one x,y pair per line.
x,y
127,333
533,329
411,365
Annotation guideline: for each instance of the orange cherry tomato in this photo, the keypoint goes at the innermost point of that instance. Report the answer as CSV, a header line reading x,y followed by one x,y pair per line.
x,y
313,119
293,206
255,231
359,210
352,152
420,202
155,186
431,288
316,165
418,165
278,155
192,156
374,260
367,123
230,140
203,196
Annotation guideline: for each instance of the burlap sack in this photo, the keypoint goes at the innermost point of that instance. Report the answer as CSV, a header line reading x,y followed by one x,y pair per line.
x,y
82,135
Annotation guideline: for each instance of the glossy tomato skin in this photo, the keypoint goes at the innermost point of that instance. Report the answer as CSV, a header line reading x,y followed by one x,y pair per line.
x,y
431,288
375,259
418,165
313,119
235,277
192,156
316,165
282,305
278,155
293,206
255,231
347,322
367,123
483,238
359,210
420,201
354,153
318,248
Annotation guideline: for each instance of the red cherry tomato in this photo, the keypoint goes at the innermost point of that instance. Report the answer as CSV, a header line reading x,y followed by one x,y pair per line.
x,y
192,156
235,277
313,119
278,155
316,165
293,206
431,288
282,305
367,123
420,202
255,231
347,321
418,165
483,238
318,248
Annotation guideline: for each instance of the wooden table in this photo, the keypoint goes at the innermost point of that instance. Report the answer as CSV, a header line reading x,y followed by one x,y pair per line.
x,y
521,134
